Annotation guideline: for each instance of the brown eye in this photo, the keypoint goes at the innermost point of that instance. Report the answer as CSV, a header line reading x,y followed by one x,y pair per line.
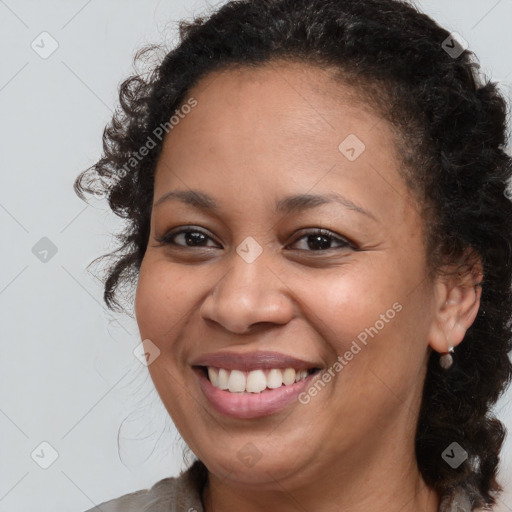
x,y
321,240
191,237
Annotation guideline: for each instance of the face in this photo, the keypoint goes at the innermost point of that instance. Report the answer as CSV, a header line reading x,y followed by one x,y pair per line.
x,y
307,255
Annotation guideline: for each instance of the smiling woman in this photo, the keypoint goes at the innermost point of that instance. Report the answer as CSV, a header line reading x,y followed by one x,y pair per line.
x,y
322,256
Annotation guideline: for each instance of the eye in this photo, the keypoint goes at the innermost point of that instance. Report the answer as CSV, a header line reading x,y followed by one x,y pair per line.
x,y
321,239
192,237
315,239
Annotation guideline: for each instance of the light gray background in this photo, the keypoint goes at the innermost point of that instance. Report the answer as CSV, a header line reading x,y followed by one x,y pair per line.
x,y
68,374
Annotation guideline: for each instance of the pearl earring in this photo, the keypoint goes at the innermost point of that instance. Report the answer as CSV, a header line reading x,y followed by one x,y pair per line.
x,y
446,360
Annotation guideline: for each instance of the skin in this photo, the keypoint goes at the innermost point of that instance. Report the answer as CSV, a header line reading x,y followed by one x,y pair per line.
x,y
255,136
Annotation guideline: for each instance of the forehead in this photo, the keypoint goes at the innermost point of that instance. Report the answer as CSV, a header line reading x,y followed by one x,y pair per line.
x,y
287,126
303,98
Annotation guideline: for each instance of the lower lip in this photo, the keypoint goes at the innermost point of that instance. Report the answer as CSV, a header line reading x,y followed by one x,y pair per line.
x,y
252,405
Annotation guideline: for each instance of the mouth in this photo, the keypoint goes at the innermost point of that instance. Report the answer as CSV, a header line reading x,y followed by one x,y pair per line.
x,y
252,385
256,381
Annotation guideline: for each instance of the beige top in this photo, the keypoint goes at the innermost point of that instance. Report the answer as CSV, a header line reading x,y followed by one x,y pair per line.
x,y
183,494
173,494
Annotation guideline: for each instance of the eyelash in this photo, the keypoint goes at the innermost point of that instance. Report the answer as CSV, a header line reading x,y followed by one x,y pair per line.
x,y
168,239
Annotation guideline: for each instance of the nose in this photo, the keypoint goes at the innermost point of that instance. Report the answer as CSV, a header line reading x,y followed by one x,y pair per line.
x,y
248,294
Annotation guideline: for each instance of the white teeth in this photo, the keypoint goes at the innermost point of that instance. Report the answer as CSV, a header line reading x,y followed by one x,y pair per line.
x,y
223,379
236,382
288,376
213,376
274,379
301,374
255,381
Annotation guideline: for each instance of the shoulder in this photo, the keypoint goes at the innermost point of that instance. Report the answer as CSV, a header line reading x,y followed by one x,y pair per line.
x,y
173,494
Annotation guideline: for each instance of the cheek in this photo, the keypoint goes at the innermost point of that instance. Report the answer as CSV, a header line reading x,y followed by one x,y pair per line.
x,y
367,317
347,303
163,299
163,296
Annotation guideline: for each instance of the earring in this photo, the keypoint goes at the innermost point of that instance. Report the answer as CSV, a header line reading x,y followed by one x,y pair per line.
x,y
446,360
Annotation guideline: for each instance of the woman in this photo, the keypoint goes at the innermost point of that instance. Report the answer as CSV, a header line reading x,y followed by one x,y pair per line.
x,y
320,236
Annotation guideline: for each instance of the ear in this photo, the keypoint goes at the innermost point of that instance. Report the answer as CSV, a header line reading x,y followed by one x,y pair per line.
x,y
456,303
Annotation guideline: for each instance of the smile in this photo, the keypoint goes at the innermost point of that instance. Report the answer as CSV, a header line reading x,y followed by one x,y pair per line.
x,y
256,381
252,384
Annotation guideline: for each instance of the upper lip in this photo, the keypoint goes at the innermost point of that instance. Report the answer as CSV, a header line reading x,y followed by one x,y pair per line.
x,y
252,361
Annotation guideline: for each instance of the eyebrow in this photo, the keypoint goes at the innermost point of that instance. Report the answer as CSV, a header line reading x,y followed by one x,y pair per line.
x,y
286,205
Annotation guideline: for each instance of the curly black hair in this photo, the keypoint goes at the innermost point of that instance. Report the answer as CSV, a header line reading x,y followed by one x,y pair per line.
x,y
451,133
